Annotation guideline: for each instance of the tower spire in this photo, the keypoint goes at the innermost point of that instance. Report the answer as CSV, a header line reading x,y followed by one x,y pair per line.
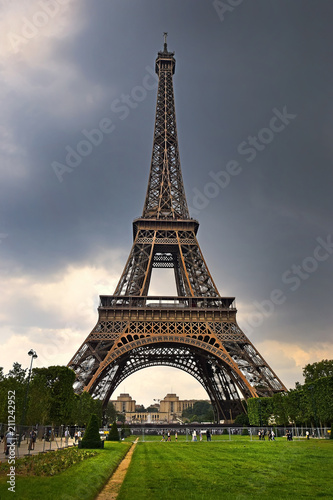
x,y
165,198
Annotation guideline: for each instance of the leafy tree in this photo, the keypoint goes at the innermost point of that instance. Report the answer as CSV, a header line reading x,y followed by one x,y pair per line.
x,y
259,410
17,373
120,417
84,405
242,419
279,408
201,411
140,409
113,433
58,382
110,414
39,399
152,409
91,437
16,381
314,371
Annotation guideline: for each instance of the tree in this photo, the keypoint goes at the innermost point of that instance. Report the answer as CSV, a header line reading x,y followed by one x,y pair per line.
x,y
15,381
17,373
259,410
39,399
113,433
110,413
201,411
91,437
279,408
314,371
84,405
58,382
152,409
242,419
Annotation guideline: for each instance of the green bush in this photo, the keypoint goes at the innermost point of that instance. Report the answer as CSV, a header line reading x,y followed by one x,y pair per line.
x,y
91,438
113,433
225,431
242,419
245,431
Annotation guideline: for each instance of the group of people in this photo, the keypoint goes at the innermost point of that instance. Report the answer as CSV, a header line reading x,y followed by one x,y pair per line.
x,y
208,435
169,436
269,434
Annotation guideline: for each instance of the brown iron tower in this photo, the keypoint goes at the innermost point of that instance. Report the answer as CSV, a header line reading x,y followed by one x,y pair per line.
x,y
195,331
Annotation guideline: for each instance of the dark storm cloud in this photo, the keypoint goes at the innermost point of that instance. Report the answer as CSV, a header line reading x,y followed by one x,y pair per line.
x,y
230,77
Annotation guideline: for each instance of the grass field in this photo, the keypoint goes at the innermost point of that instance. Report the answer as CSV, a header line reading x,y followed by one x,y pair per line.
x,y
230,470
80,482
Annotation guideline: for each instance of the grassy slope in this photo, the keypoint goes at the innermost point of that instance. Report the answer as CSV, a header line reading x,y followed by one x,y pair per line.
x,y
230,470
82,481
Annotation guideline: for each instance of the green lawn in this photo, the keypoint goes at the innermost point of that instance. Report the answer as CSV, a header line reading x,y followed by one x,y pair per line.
x,y
238,469
80,482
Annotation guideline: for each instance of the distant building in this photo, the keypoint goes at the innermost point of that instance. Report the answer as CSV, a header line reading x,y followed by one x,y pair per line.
x,y
124,404
169,410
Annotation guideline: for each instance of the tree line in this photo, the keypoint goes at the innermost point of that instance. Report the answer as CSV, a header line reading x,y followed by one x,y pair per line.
x,y
51,398
309,404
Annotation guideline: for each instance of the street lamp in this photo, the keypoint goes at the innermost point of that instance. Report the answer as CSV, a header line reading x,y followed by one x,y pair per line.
x,y
33,355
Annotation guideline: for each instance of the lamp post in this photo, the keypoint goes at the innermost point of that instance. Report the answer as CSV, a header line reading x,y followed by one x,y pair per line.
x,y
33,355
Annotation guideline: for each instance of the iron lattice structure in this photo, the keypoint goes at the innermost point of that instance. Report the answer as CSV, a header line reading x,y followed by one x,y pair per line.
x,y
196,331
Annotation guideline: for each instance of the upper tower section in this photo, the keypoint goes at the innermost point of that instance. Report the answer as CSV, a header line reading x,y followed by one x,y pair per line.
x,y
165,198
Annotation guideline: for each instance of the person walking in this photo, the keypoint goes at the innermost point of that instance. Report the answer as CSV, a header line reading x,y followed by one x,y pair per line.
x,y
66,436
194,435
209,438
32,440
307,435
176,436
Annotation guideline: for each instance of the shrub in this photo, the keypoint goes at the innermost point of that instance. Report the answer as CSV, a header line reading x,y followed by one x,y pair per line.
x,y
242,419
113,433
91,438
245,431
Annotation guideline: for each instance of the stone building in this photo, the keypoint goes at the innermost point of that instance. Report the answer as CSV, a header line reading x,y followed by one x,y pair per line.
x,y
124,404
169,409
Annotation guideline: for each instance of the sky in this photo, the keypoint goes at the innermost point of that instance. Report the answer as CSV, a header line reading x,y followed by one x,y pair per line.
x,y
254,106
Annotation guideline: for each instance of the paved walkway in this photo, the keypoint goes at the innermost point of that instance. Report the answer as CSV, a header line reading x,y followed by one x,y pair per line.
x,y
40,446
112,487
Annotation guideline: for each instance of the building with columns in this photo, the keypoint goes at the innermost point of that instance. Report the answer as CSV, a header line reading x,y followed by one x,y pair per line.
x,y
168,410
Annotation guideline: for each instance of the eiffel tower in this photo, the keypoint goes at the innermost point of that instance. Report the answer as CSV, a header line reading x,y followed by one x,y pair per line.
x,y
195,331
